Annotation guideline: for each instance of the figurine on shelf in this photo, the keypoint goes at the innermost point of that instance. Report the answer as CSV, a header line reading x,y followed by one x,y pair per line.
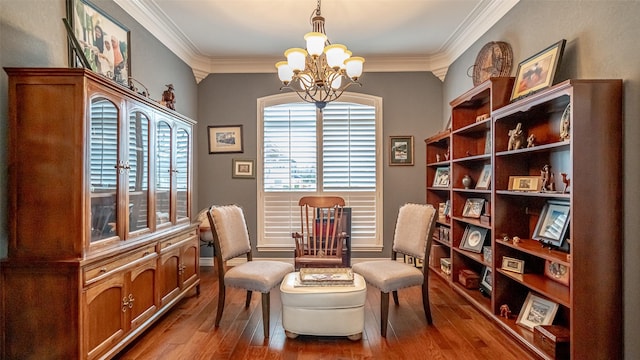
x,y
505,312
566,181
446,155
516,138
565,124
437,157
169,98
548,181
531,141
505,238
516,240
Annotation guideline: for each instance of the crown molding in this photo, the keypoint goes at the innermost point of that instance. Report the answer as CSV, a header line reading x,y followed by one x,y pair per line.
x,y
152,18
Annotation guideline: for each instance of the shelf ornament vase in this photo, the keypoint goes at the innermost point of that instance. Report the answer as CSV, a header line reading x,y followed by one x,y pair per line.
x,y
466,181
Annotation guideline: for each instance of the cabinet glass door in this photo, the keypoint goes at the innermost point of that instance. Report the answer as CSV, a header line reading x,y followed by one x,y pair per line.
x,y
182,174
104,168
163,173
138,171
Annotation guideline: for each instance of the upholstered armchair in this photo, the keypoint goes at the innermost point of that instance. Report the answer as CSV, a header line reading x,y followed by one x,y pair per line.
x,y
413,235
230,240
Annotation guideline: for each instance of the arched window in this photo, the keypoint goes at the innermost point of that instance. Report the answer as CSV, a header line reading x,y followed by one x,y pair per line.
x,y
304,151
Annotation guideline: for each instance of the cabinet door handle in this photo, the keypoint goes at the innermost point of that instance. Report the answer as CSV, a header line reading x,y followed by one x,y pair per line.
x,y
103,270
127,302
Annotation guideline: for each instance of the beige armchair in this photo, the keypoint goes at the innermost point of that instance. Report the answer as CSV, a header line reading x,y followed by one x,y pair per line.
x,y
413,235
230,240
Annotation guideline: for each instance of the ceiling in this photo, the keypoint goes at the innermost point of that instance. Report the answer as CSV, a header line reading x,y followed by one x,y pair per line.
x,y
248,36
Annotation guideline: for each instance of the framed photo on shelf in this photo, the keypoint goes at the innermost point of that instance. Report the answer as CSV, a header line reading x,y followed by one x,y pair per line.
x,y
441,178
525,183
104,42
537,72
487,143
536,311
485,178
513,264
556,272
473,208
485,280
243,169
401,150
553,223
473,238
225,139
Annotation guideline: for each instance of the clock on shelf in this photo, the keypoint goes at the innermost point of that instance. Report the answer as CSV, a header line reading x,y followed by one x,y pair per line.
x,y
494,59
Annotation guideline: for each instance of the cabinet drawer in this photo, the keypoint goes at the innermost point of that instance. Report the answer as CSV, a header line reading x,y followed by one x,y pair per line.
x,y
97,272
178,240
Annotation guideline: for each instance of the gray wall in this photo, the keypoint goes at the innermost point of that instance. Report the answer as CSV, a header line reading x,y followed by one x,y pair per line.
x,y
412,105
601,43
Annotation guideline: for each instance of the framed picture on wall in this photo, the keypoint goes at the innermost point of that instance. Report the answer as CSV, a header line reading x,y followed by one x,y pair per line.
x,y
225,139
401,150
243,169
104,42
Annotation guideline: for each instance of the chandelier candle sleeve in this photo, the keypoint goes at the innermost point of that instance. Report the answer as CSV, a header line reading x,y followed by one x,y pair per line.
x,y
322,72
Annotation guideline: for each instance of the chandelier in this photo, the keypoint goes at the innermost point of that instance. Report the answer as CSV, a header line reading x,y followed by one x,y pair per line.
x,y
322,72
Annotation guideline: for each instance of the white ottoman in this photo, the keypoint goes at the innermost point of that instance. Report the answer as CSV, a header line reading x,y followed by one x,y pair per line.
x,y
323,310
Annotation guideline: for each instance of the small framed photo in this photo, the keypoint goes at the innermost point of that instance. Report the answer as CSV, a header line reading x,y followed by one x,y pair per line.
x,y
486,281
105,42
536,311
513,264
225,139
525,183
243,169
485,178
553,223
473,208
441,179
537,72
473,238
401,150
557,272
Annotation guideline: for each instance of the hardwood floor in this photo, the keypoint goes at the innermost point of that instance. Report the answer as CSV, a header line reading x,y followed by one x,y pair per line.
x,y
458,332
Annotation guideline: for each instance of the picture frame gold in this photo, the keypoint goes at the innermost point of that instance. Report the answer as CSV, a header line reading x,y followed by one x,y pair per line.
x,y
401,150
535,311
243,169
538,71
525,183
225,139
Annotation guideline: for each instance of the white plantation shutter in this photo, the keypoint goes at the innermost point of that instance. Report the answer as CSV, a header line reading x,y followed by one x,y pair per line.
x,y
307,152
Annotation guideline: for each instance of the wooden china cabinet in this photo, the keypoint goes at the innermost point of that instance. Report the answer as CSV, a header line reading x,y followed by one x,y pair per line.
x,y
101,241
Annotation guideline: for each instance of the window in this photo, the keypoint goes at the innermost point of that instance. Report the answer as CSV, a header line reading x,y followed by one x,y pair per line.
x,y
305,152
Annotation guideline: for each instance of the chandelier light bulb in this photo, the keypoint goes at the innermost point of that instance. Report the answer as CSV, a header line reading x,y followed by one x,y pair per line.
x,y
296,58
284,72
354,66
335,55
315,43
